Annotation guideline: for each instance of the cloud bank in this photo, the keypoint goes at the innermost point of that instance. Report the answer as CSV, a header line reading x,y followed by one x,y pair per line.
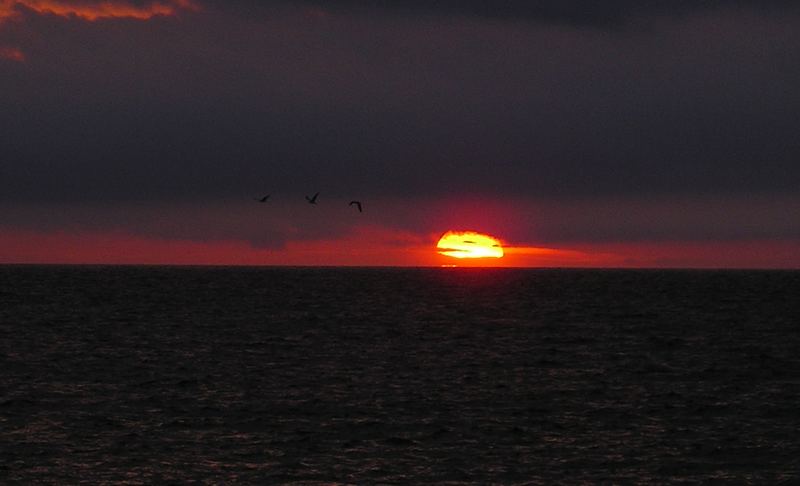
x,y
608,13
93,10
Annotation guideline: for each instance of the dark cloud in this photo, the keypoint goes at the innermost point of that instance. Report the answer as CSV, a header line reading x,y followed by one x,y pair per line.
x,y
217,105
579,12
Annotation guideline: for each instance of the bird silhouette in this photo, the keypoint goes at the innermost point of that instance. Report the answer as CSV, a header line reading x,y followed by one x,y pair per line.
x,y
312,200
358,205
263,199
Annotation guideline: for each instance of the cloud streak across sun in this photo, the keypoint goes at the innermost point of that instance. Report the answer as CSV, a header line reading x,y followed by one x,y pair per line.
x,y
469,244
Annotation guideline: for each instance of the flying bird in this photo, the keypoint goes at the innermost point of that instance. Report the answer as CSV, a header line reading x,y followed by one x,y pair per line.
x,y
312,200
358,205
263,199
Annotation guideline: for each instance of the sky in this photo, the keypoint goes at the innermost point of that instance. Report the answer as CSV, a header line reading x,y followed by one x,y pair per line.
x,y
622,133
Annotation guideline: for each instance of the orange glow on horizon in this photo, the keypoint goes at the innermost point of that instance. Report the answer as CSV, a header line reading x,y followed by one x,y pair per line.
x,y
469,244
92,11
381,247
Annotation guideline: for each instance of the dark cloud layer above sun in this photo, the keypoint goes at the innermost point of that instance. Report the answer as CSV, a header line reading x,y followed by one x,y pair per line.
x,y
215,103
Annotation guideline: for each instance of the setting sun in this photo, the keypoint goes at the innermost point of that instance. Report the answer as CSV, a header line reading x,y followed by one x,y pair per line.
x,y
469,244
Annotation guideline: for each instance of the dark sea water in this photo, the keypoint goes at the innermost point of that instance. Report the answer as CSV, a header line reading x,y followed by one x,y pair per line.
x,y
150,375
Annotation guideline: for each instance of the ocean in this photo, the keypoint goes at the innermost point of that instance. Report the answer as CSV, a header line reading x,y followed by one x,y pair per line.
x,y
196,375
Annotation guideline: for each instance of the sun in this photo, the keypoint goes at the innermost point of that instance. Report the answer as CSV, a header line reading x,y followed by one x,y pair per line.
x,y
469,244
